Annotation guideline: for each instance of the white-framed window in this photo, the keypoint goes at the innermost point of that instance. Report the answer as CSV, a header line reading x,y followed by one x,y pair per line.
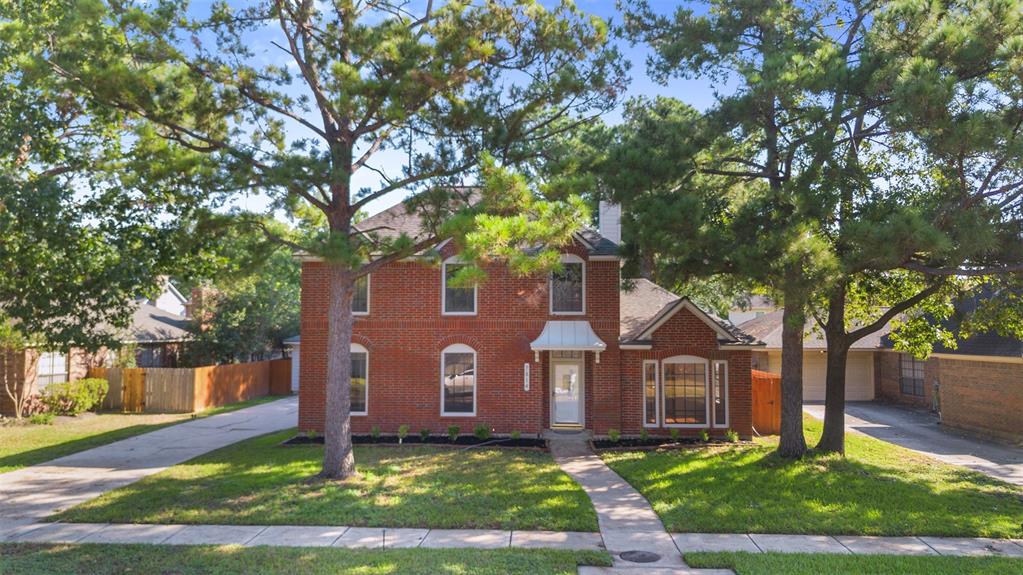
x,y
51,368
568,287
456,300
684,391
651,393
360,297
458,381
719,393
359,393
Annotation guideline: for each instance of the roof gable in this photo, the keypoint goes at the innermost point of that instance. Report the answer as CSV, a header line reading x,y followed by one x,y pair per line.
x,y
670,310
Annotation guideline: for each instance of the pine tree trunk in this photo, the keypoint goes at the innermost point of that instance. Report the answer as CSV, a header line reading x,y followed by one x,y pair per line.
x,y
833,438
792,443
338,460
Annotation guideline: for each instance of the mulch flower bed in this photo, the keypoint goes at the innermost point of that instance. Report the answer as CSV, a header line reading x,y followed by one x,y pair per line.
x,y
650,443
432,441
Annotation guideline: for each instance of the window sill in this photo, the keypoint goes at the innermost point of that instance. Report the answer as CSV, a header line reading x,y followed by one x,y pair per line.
x,y
473,414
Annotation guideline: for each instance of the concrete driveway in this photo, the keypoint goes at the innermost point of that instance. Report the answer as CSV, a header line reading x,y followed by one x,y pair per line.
x,y
920,431
41,490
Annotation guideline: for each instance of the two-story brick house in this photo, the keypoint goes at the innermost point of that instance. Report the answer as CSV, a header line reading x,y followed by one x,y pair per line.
x,y
570,349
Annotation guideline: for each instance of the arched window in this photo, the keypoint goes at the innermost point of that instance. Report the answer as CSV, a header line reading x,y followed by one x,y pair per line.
x,y
458,381
360,380
685,390
456,300
568,287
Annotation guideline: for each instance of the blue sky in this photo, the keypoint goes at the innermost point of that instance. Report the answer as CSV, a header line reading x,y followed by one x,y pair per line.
x,y
697,93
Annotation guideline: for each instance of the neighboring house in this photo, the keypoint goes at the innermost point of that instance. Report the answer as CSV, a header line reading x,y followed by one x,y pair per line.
x,y
859,372
978,386
170,299
573,349
156,334
752,307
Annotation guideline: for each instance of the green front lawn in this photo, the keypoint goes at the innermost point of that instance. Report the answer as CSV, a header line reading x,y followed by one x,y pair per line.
x,y
24,445
227,560
259,482
878,489
799,564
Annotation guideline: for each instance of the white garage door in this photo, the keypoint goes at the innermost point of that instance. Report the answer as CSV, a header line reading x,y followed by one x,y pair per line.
x,y
859,375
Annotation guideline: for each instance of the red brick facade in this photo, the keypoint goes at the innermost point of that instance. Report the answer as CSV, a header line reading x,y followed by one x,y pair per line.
x,y
405,334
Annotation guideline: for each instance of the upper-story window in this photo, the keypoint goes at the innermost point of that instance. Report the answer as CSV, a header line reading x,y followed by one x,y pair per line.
x,y
456,300
360,299
568,286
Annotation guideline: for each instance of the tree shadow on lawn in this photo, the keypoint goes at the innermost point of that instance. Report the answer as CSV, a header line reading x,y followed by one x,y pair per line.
x,y
755,491
256,482
56,450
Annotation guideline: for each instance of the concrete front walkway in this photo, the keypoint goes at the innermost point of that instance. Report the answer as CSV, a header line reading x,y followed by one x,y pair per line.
x,y
919,431
42,490
627,522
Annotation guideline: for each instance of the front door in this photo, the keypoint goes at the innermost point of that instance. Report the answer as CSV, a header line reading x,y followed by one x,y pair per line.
x,y
568,393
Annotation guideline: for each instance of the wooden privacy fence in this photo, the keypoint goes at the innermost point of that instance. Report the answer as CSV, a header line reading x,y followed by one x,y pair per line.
x,y
188,389
766,402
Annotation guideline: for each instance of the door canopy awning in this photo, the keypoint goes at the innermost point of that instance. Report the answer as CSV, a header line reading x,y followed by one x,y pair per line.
x,y
568,336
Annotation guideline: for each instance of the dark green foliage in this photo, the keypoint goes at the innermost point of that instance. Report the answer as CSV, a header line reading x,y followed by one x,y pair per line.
x,y
424,434
453,431
614,435
482,432
374,432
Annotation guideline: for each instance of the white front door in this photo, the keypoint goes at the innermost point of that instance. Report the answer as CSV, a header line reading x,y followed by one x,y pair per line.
x,y
567,387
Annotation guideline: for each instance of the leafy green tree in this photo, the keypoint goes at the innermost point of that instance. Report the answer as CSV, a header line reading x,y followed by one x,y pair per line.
x,y
355,84
808,170
247,317
753,206
928,200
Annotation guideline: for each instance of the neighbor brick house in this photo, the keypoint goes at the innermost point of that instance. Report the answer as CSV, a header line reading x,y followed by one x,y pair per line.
x,y
977,385
572,349
156,332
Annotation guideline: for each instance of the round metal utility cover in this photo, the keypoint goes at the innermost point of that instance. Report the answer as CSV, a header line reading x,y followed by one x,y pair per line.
x,y
640,556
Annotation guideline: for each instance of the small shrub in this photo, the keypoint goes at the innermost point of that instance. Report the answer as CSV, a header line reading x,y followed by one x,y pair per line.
x,y
614,435
453,431
516,434
41,419
75,397
732,436
644,435
675,434
374,432
424,434
312,434
482,432
402,432
704,436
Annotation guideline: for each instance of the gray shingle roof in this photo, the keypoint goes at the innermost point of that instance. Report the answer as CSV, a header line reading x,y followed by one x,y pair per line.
x,y
397,220
767,328
987,344
151,324
643,303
